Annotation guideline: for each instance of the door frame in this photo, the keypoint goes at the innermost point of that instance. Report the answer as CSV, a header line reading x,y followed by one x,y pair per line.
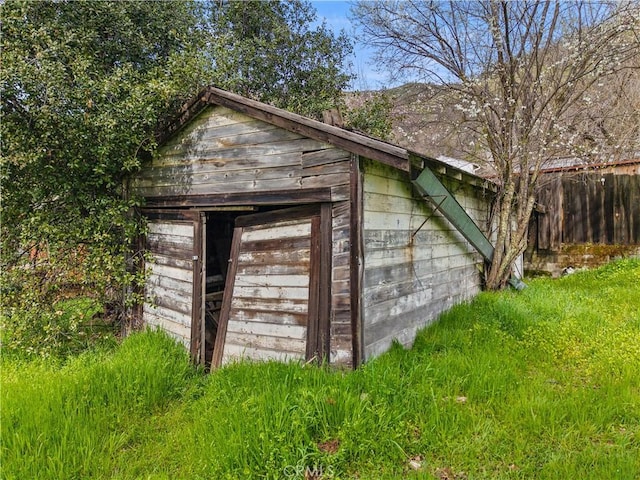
x,y
194,217
319,309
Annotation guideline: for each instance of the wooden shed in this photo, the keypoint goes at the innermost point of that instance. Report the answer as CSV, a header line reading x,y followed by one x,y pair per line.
x,y
588,213
274,236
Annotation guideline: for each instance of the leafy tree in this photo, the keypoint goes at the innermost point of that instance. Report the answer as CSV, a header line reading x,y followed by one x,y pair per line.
x,y
371,113
524,78
83,85
266,50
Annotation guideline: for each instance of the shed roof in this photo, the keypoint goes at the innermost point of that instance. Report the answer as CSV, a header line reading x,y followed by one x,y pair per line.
x,y
358,143
580,164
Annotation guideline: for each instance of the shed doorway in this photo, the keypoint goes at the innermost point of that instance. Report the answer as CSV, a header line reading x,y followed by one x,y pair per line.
x,y
218,235
266,285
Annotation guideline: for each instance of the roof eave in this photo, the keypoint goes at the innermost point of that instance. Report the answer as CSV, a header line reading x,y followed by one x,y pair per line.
x,y
389,154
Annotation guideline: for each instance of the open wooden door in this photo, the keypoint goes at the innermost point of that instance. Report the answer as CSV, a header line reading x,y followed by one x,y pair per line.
x,y
173,290
276,299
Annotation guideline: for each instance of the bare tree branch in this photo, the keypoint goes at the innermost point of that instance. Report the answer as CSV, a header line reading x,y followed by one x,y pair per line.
x,y
527,81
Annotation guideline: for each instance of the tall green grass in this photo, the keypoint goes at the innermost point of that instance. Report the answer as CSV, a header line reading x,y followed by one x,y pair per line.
x,y
543,383
72,421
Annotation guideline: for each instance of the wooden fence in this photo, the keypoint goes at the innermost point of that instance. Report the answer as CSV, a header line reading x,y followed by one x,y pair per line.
x,y
586,207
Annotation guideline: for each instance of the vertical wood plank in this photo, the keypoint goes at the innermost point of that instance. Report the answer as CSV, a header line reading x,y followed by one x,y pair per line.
x,y
313,347
609,195
543,219
634,202
139,266
593,215
324,290
601,213
621,213
197,298
558,218
218,348
568,213
355,259
203,285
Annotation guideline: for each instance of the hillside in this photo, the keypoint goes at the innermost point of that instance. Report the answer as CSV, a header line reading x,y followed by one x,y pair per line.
x,y
426,119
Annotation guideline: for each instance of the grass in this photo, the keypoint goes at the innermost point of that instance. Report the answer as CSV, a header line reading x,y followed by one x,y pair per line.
x,y
541,384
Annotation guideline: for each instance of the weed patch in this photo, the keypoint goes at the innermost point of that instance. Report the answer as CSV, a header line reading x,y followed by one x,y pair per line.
x,y
537,384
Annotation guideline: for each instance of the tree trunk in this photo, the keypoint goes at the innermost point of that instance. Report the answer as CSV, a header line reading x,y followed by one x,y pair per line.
x,y
511,242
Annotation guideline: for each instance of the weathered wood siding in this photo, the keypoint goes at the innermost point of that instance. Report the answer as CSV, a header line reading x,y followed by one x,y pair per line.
x,y
340,344
169,286
416,265
223,154
270,300
587,208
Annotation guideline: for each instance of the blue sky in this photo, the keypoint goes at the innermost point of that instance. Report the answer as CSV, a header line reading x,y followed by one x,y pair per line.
x,y
335,13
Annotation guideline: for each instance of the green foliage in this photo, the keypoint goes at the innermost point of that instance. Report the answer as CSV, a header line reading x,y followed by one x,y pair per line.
x,y
267,51
372,116
83,84
68,328
492,390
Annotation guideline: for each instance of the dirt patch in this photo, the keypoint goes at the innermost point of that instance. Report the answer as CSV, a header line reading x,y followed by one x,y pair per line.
x,y
330,446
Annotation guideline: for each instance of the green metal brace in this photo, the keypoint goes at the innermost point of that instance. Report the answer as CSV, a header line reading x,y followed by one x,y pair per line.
x,y
429,186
